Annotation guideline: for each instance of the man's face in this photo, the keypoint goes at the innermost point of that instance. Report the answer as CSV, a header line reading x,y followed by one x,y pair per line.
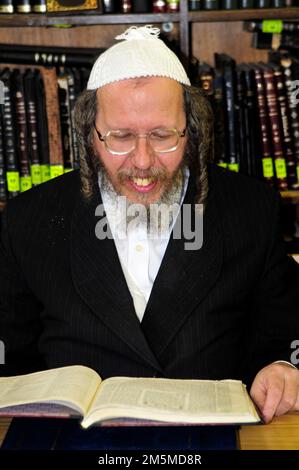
x,y
141,105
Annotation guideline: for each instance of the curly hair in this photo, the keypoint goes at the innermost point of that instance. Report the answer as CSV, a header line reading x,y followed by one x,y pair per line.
x,y
199,148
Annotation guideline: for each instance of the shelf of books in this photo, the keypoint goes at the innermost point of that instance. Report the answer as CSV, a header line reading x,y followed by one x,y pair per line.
x,y
83,19
243,15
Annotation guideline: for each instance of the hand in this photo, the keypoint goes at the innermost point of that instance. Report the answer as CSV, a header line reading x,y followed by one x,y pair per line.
x,y
275,390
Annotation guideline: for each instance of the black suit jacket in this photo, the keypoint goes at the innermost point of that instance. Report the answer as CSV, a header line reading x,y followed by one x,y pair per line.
x,y
223,311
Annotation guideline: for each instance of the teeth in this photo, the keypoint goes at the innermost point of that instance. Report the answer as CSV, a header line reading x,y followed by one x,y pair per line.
x,y
143,181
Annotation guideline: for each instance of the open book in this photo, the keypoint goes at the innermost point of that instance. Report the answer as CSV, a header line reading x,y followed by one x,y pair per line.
x,y
79,391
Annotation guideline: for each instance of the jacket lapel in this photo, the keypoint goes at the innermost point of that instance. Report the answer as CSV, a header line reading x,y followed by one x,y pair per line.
x,y
99,280
184,279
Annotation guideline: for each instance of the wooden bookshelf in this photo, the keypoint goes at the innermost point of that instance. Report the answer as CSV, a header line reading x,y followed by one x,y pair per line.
x,y
243,15
84,19
290,195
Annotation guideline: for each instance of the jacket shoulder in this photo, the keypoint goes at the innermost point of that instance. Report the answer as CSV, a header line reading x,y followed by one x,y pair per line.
x,y
47,196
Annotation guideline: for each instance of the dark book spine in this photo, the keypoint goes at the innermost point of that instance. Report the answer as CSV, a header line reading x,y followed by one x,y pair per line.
x,y
246,4
2,162
263,3
278,4
211,5
229,4
231,117
251,124
22,6
18,95
194,5
74,140
31,106
6,6
264,141
39,6
242,128
65,119
293,110
287,141
276,137
42,125
10,148
219,121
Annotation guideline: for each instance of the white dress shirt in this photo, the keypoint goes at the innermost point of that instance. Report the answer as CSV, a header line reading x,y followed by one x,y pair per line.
x,y
140,255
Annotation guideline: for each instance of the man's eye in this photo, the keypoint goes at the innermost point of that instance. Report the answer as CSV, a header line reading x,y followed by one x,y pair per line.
x,y
160,135
123,136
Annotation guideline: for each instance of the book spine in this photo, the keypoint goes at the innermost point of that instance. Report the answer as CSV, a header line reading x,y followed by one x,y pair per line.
x,y
74,140
288,147
219,121
30,93
65,119
42,125
251,124
264,141
53,119
11,165
276,139
21,128
231,117
195,5
278,4
242,128
263,3
229,4
211,4
23,6
6,6
293,110
39,6
246,4
2,162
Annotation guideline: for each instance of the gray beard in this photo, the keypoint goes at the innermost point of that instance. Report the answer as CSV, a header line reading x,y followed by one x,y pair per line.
x,y
158,217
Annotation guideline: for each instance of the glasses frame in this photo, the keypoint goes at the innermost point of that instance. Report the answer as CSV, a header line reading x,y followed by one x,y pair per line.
x,y
103,138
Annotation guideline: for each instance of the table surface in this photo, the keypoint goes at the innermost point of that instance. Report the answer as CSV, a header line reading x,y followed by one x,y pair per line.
x,y
281,434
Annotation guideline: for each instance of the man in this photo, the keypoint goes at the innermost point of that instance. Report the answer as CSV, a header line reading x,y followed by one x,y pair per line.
x,y
76,290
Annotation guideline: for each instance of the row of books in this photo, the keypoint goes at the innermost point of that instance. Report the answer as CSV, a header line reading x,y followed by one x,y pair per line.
x,y
36,121
100,6
256,117
195,5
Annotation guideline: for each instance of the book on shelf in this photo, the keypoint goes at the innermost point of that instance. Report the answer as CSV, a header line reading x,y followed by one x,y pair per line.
x,y
73,5
79,391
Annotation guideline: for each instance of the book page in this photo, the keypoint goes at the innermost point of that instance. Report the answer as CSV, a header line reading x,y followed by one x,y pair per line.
x,y
74,386
190,401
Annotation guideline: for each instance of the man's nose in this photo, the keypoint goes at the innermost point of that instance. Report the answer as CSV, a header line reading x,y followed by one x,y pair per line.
x,y
143,156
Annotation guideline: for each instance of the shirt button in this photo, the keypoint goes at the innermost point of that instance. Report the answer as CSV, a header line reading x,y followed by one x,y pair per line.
x,y
138,247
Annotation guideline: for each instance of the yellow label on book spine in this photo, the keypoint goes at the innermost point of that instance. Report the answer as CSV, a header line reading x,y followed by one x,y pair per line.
x,y
13,181
268,170
233,167
281,168
272,26
56,170
26,183
223,165
36,174
67,170
45,171
298,173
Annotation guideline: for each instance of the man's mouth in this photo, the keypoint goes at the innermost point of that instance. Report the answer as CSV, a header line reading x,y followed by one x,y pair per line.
x,y
143,184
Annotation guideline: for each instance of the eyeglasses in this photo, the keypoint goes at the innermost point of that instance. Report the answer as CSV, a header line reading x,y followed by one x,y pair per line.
x,y
122,142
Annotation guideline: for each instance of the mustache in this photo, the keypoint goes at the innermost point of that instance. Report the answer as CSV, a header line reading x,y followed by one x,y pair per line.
x,y
127,173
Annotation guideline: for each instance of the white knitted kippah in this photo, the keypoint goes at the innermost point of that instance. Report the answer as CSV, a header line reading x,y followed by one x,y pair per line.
x,y
141,54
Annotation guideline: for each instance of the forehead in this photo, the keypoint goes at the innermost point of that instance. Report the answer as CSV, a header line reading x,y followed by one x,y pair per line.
x,y
140,96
